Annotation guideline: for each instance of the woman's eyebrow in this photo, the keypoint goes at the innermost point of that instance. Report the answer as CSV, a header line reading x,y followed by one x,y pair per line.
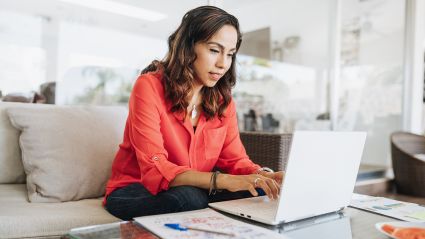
x,y
219,45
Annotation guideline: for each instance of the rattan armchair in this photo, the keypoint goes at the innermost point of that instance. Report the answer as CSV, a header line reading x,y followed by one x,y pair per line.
x,y
267,149
409,170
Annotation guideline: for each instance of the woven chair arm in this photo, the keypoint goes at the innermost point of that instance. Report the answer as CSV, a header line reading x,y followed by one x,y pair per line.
x,y
267,149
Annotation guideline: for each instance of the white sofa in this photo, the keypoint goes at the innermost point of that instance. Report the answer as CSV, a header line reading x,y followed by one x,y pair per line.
x,y
54,163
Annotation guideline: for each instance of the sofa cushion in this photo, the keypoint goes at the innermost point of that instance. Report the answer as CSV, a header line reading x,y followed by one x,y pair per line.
x,y
19,218
67,151
11,169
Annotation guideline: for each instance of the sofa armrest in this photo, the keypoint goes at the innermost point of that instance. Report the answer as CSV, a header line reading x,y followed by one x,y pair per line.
x,y
267,149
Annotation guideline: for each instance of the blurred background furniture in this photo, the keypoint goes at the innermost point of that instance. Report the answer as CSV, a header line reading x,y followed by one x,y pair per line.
x,y
30,97
408,159
48,90
267,149
46,95
20,97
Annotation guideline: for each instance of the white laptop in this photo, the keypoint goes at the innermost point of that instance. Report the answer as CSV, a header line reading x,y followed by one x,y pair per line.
x,y
320,177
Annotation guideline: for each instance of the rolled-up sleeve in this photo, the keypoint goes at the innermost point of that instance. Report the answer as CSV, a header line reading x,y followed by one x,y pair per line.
x,y
147,140
233,158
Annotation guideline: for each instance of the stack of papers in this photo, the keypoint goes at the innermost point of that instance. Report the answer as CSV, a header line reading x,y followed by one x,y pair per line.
x,y
405,211
207,219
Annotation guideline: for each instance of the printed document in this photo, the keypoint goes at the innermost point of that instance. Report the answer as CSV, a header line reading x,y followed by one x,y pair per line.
x,y
207,219
405,211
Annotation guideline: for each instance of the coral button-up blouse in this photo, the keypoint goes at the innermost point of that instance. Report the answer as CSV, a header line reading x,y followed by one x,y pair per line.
x,y
159,144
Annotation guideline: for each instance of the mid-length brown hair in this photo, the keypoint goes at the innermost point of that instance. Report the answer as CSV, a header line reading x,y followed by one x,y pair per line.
x,y
198,25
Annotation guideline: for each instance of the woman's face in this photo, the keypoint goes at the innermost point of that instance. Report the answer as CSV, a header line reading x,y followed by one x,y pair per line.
x,y
214,57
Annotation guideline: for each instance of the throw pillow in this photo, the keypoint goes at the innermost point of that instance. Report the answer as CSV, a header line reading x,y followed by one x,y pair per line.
x,y
67,151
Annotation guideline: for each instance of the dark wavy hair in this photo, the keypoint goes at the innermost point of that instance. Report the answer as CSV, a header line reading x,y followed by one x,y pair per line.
x,y
198,25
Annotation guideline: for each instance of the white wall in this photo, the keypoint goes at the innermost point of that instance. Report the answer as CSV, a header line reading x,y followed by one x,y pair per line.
x,y
305,18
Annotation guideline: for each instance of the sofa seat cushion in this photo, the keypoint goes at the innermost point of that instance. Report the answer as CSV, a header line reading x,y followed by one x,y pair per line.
x,y
19,218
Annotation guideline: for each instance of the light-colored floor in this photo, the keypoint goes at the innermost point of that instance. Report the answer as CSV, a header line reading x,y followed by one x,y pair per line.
x,y
381,185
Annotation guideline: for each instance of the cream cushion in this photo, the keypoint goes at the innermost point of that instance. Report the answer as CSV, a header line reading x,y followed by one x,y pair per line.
x,y
11,169
19,219
67,151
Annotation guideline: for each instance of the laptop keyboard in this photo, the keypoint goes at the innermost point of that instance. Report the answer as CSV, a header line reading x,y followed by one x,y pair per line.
x,y
260,206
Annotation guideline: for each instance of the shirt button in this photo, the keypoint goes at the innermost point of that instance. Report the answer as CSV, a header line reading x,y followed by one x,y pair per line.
x,y
155,158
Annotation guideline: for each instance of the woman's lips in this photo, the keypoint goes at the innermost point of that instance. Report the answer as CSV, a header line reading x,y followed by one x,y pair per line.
x,y
215,76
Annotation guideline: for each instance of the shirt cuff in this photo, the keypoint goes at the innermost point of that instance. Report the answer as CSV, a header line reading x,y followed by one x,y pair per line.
x,y
245,168
159,177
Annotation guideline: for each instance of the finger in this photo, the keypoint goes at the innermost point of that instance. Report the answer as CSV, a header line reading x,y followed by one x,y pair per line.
x,y
252,190
278,183
273,187
263,185
278,187
279,177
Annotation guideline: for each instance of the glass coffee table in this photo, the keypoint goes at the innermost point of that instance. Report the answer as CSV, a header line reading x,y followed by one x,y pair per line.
x,y
124,230
351,224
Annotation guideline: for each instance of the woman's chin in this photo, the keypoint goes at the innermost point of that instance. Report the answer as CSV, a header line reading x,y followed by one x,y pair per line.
x,y
211,83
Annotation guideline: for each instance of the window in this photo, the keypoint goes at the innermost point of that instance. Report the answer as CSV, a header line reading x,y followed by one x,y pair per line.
x,y
22,57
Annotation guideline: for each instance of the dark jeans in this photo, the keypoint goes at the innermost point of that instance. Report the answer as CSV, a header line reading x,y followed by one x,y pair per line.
x,y
135,200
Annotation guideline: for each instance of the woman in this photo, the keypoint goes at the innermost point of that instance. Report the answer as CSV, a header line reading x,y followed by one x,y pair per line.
x,y
182,124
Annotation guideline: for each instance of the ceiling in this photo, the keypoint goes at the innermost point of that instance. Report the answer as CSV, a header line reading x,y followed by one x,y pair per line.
x,y
377,15
56,9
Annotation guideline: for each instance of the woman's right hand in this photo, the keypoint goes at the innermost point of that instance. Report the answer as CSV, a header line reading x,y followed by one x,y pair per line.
x,y
235,183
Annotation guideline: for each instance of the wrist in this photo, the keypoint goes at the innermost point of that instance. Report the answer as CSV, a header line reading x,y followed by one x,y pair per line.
x,y
221,180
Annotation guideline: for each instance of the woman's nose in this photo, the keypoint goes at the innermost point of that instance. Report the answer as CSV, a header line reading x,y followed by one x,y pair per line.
x,y
222,61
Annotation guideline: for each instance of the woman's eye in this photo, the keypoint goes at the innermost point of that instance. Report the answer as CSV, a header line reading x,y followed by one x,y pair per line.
x,y
230,55
214,50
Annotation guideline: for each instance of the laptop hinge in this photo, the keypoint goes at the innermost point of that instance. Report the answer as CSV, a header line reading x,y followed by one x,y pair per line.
x,y
340,210
287,226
